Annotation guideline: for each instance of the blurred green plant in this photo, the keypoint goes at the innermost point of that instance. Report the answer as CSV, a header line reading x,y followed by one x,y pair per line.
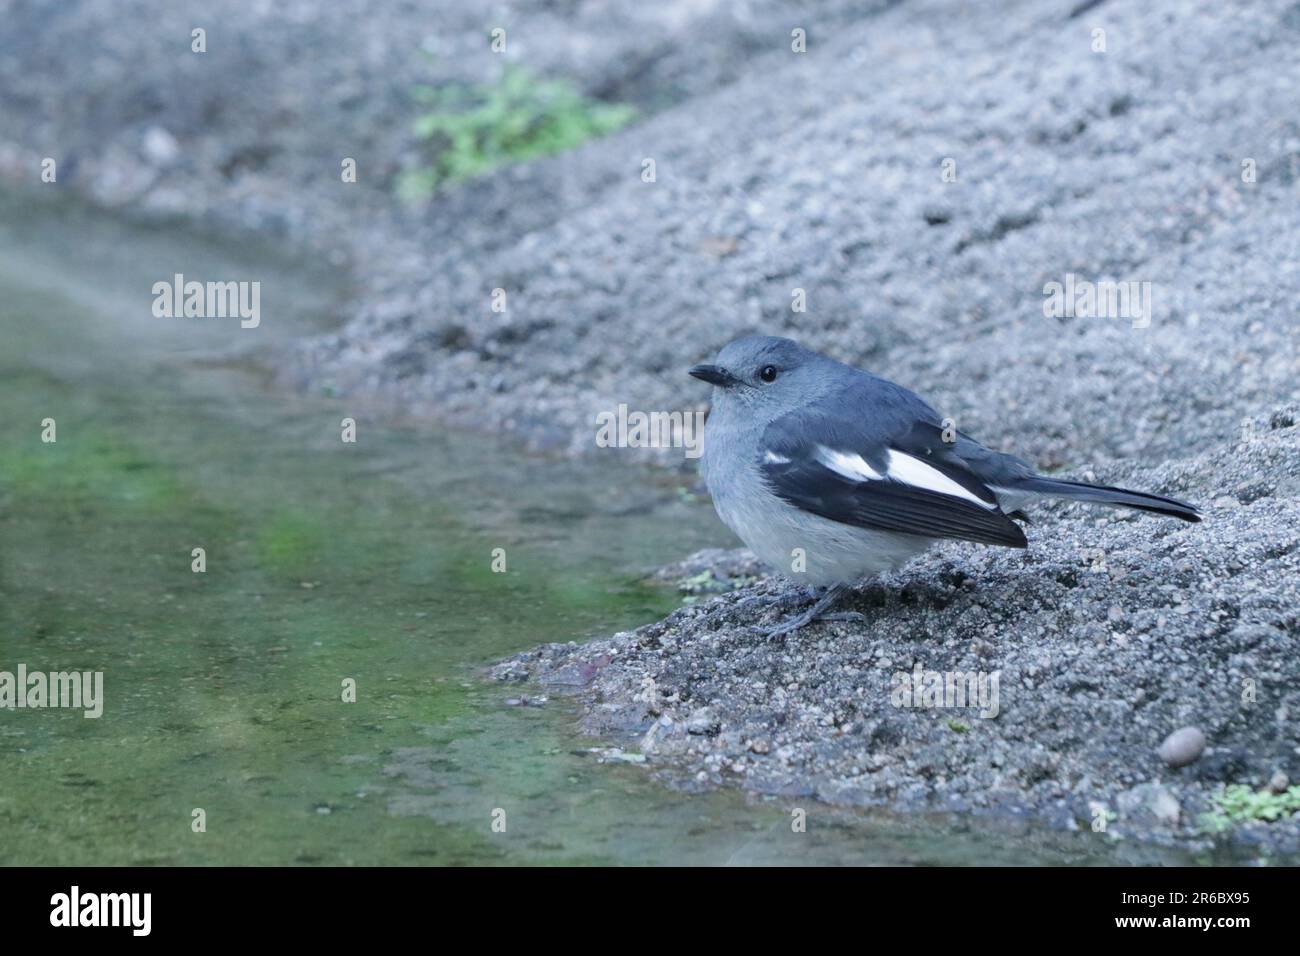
x,y
706,583
1239,803
472,130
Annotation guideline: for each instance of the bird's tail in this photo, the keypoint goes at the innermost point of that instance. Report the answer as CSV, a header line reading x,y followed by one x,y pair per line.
x,y
1105,495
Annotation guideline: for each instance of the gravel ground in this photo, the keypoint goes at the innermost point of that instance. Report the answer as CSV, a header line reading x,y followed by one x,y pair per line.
x,y
823,172
1112,631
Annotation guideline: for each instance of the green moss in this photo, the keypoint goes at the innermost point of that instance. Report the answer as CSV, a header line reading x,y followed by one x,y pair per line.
x,y
469,131
706,582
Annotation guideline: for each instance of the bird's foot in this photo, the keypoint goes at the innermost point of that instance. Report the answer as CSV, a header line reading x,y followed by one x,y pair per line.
x,y
790,597
816,613
789,626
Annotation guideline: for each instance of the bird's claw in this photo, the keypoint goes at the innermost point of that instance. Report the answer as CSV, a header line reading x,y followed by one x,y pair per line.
x,y
815,613
787,627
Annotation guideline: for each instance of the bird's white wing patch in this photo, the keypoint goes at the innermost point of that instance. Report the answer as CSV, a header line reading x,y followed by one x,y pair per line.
x,y
847,464
905,469
913,471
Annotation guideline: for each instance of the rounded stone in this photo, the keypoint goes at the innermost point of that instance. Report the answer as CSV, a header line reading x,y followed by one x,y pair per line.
x,y
1182,747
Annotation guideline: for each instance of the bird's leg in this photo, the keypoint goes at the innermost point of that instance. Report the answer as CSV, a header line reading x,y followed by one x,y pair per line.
x,y
788,597
816,612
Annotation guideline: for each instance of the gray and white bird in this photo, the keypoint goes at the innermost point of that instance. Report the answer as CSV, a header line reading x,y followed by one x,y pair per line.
x,y
831,474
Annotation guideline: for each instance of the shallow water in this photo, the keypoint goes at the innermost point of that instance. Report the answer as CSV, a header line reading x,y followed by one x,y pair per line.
x,y
325,561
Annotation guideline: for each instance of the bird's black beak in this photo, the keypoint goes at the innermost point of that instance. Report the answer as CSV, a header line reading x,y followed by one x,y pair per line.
x,y
714,375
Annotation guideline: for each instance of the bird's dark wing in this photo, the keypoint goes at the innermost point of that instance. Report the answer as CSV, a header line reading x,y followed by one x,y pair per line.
x,y
894,473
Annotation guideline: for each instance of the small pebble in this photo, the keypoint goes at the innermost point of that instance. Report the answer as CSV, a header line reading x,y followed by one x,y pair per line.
x,y
1182,747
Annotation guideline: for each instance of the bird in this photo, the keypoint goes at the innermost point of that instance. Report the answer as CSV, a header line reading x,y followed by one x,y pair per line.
x,y
831,474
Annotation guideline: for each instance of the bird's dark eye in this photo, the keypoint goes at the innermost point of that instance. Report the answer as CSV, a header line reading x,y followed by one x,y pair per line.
x,y
768,373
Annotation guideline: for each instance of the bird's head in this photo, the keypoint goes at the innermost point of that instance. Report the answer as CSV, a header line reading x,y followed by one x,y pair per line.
x,y
765,376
